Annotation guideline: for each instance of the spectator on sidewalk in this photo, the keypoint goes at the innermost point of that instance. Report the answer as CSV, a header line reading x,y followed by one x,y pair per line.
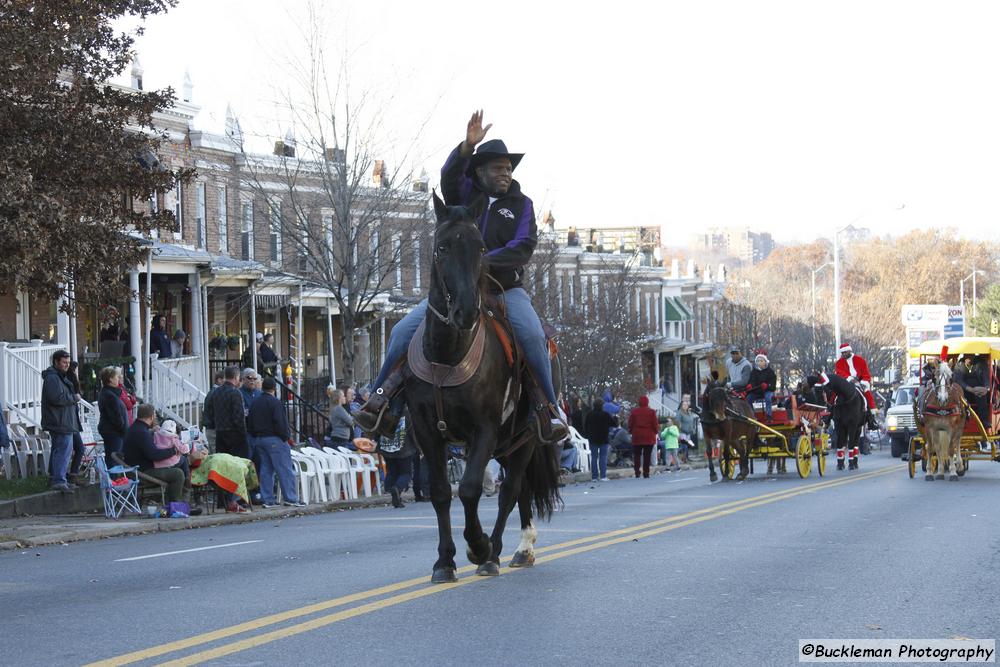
x,y
687,423
596,427
670,435
177,343
77,458
127,398
643,425
159,339
229,417
249,390
140,451
114,423
267,360
268,425
341,423
208,410
60,418
398,453
165,437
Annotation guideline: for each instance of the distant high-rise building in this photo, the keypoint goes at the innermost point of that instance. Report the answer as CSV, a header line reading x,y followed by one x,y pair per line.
x,y
740,242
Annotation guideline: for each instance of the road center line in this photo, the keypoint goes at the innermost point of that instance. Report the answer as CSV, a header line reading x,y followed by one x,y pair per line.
x,y
186,551
265,621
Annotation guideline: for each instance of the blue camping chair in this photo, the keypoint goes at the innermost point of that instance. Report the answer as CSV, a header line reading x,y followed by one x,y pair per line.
x,y
121,498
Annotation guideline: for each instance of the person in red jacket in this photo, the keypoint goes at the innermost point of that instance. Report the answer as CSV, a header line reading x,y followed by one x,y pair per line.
x,y
854,368
643,425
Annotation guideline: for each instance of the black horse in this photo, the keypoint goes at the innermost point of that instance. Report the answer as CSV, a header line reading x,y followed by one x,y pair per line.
x,y
487,412
849,412
725,419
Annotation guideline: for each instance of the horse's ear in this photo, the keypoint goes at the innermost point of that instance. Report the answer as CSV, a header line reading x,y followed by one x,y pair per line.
x,y
440,210
477,206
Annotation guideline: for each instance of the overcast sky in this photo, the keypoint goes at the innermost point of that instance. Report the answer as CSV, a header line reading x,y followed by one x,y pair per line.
x,y
790,117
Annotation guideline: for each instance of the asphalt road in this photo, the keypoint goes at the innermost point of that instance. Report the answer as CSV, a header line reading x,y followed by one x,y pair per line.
x,y
670,570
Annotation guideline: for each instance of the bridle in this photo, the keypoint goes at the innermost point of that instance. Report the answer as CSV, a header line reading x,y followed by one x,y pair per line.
x,y
447,296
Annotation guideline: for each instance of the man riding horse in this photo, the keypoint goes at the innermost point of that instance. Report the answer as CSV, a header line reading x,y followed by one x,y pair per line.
x,y
854,369
509,233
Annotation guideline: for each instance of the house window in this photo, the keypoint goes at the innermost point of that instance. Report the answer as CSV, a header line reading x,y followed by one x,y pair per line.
x,y
200,213
274,228
416,262
397,259
328,243
246,229
178,210
223,221
649,309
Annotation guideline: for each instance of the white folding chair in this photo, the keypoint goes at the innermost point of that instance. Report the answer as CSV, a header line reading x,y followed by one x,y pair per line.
x,y
121,498
327,470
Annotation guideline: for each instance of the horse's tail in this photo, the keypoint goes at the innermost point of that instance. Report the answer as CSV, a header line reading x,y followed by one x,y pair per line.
x,y
542,478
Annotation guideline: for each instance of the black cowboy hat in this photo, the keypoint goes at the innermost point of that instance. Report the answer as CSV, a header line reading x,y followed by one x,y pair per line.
x,y
491,150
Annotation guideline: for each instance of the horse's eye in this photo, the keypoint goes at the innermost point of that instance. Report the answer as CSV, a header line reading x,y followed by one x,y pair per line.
x,y
443,249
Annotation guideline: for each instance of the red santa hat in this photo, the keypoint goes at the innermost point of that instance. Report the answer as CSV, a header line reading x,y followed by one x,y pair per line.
x,y
845,347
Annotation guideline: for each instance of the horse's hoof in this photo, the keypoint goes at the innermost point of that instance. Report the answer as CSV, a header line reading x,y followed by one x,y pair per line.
x,y
488,569
953,478
929,478
940,475
522,559
479,559
444,575
742,476
961,473
713,477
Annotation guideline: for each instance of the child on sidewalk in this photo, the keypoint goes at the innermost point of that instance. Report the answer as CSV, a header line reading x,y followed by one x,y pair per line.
x,y
670,435
166,437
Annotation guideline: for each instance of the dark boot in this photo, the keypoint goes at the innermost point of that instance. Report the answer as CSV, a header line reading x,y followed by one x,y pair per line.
x,y
551,428
872,422
373,417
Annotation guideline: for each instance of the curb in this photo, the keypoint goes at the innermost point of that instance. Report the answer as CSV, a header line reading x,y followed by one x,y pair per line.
x,y
142,526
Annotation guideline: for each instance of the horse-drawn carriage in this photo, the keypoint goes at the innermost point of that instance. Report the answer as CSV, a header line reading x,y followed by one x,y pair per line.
x,y
745,434
980,431
797,433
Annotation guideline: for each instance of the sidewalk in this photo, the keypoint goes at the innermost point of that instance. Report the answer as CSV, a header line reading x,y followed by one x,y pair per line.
x,y
38,531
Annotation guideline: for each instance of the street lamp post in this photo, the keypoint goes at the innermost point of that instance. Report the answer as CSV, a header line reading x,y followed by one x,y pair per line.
x,y
814,272
961,295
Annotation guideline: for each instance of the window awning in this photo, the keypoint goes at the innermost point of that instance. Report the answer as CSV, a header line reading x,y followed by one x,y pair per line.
x,y
674,310
685,308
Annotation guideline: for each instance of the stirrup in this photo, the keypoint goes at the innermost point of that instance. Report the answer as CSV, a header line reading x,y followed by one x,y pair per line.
x,y
549,430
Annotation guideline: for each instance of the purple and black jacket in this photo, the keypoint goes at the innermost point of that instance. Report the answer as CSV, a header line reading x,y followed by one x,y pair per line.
x,y
508,226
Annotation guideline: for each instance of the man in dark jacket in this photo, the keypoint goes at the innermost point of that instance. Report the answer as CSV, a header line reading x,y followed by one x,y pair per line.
x,y
229,417
140,451
60,417
268,424
208,410
761,385
596,428
971,375
509,233
159,339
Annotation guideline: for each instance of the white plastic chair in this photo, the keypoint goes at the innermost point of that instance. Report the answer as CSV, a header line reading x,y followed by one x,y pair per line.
x,y
365,465
582,447
326,471
346,473
305,469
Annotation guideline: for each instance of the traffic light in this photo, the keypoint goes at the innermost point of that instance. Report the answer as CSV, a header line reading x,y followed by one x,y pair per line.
x,y
994,327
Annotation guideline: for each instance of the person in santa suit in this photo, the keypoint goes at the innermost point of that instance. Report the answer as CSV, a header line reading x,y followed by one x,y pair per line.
x,y
855,369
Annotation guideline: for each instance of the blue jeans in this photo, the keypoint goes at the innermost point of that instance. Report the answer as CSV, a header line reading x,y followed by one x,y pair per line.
x,y
768,397
62,450
569,458
599,461
275,457
527,328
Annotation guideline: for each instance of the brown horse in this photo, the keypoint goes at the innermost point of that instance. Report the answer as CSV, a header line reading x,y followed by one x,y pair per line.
x,y
725,419
942,414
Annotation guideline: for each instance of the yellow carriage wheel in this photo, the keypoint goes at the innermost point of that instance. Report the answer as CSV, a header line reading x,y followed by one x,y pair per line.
x,y
728,468
820,456
803,455
912,458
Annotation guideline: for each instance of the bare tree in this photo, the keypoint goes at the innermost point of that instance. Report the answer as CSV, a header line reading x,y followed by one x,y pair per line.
x,y
339,215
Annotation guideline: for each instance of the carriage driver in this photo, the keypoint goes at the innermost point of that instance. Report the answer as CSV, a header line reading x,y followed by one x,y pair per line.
x,y
854,368
510,236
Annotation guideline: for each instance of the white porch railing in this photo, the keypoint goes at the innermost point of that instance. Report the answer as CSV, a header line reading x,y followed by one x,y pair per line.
x,y
21,366
174,390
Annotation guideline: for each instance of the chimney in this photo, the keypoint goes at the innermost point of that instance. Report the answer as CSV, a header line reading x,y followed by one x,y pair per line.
x,y
289,144
233,130
336,155
136,73
690,269
188,88
675,269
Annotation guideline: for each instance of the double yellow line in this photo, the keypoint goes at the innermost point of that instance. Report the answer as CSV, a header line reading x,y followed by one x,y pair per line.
x,y
551,553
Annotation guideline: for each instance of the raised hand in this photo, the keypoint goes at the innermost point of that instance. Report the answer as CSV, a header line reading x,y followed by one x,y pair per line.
x,y
475,132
